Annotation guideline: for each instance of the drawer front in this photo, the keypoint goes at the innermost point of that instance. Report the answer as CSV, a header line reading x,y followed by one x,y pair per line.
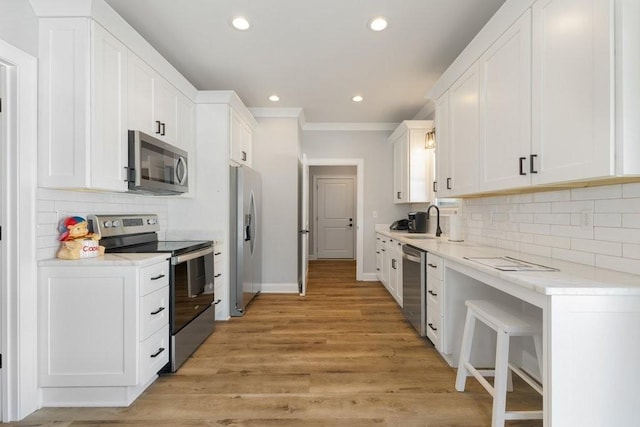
x,y
435,266
154,277
154,354
154,312
434,290
434,322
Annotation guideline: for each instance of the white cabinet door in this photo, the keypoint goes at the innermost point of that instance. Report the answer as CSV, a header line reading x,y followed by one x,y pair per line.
x,y
505,109
573,132
165,104
398,269
241,140
379,256
109,148
442,187
88,326
400,156
140,96
464,122
82,106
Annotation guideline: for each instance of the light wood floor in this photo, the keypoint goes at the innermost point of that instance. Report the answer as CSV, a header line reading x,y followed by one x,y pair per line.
x,y
342,356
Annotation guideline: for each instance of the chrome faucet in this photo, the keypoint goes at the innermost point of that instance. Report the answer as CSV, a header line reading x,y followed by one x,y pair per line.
x,y
438,229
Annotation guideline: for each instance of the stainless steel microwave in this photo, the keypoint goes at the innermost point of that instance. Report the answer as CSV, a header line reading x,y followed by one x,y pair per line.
x,y
156,167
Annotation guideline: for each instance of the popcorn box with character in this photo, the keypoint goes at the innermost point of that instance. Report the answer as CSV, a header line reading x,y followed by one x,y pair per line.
x,y
76,241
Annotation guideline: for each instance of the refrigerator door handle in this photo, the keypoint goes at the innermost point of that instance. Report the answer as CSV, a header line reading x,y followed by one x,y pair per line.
x,y
247,228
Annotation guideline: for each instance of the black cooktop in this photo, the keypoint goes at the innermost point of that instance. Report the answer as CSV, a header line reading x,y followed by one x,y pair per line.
x,y
173,247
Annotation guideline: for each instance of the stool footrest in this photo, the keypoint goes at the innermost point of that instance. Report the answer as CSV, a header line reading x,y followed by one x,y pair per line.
x,y
526,377
523,415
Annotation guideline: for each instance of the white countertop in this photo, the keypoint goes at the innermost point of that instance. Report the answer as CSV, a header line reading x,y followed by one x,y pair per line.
x,y
140,260
570,279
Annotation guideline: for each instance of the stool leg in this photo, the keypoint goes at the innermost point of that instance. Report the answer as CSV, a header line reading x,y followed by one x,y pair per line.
x,y
465,350
500,380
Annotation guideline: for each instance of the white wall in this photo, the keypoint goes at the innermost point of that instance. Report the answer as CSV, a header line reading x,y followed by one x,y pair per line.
x,y
19,25
377,154
275,156
552,224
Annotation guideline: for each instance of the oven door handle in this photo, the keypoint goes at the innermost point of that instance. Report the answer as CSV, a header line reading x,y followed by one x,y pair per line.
x,y
411,258
191,255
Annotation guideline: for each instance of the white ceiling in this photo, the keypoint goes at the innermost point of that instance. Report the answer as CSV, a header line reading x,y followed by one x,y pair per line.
x,y
314,54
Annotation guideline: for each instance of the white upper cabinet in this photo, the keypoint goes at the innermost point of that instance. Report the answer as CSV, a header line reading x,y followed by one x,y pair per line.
x,y
82,139
185,137
464,130
442,184
153,102
413,163
241,140
573,88
505,109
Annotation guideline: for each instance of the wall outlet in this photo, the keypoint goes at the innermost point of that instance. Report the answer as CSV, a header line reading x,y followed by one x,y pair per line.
x,y
586,218
375,214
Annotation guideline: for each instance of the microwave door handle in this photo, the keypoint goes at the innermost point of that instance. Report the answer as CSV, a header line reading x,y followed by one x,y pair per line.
x,y
247,228
181,170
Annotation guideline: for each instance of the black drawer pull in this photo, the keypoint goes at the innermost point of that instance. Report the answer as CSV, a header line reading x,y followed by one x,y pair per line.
x,y
432,265
218,301
432,293
159,276
522,172
159,126
159,310
217,275
531,160
432,328
157,353
448,183
435,186
217,253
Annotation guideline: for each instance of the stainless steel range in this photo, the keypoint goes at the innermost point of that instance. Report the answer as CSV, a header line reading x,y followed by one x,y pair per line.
x,y
191,313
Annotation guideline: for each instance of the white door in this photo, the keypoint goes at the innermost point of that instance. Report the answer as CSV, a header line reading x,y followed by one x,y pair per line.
x,y
303,209
335,217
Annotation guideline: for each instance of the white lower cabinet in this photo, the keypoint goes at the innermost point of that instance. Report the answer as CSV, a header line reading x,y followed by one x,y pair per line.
x,y
379,238
389,265
435,276
103,331
221,294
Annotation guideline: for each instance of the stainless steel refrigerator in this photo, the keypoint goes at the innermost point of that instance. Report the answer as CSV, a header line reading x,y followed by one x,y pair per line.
x,y
245,238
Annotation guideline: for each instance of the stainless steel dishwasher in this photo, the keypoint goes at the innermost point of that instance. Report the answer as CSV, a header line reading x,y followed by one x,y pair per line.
x,y
414,287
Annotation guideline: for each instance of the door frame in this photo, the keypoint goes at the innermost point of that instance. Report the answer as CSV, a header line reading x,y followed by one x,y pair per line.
x,y
359,164
18,280
315,208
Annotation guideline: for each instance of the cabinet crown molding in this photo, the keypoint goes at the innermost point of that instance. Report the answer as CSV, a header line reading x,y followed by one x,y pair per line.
x,y
410,125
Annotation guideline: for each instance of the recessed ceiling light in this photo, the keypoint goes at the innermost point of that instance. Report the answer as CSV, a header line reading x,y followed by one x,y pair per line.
x,y
357,98
240,23
274,98
378,24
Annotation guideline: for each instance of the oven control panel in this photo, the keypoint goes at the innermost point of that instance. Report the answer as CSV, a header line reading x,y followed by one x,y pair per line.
x,y
121,225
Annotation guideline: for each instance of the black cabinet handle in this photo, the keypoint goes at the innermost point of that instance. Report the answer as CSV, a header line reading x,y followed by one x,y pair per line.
x,y
217,253
522,159
393,263
244,156
435,186
159,310
158,124
377,269
399,195
432,328
432,293
158,277
432,265
218,301
217,275
531,167
162,133
448,183
157,353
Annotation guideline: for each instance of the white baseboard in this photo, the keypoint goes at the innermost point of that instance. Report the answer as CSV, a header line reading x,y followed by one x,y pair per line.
x,y
279,288
369,277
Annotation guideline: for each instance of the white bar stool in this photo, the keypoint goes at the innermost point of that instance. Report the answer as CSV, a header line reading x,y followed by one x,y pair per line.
x,y
507,323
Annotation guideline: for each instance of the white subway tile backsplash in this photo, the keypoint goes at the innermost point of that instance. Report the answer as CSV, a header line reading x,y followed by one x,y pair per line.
x,y
553,224
535,207
554,218
631,220
597,246
553,241
552,196
574,256
571,207
596,193
626,265
631,190
618,205
631,250
607,220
